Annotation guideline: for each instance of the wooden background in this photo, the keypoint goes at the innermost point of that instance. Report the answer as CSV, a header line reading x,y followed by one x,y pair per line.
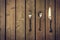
x,y
14,20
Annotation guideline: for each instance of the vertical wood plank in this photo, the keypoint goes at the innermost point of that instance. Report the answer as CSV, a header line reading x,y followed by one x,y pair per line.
x,y
10,19
57,19
50,35
40,6
20,19
30,9
2,19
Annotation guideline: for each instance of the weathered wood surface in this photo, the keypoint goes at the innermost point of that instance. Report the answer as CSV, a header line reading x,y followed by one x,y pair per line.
x,y
40,6
50,35
57,19
2,19
30,9
10,19
20,19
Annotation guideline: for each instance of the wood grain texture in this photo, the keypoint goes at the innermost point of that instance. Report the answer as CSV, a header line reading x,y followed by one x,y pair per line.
x,y
50,35
2,19
40,6
30,9
10,19
20,19
57,19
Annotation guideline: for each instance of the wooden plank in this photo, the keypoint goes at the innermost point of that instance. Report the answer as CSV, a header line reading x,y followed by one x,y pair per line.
x,y
2,19
57,19
10,19
30,10
40,6
50,35
20,19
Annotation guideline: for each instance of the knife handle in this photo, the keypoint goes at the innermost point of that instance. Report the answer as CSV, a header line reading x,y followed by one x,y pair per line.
x,y
50,26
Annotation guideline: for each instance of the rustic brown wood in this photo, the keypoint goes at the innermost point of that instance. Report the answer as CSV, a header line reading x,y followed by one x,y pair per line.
x,y
30,9
10,19
50,35
2,19
20,19
40,6
57,19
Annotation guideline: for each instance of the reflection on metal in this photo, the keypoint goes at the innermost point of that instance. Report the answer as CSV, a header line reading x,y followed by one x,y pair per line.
x,y
30,16
40,16
49,13
49,16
